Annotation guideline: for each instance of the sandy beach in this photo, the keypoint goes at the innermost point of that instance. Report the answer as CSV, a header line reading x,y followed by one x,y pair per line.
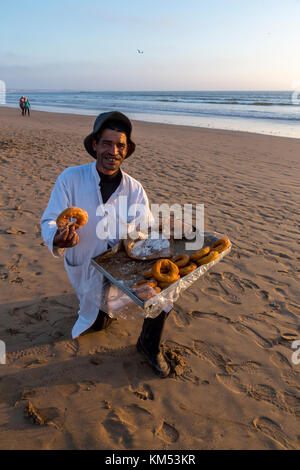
x,y
233,329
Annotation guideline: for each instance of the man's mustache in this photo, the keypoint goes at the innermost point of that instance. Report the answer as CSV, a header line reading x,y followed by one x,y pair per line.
x,y
110,155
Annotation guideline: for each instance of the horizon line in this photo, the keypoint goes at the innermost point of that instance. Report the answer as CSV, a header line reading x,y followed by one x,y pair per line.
x,y
12,90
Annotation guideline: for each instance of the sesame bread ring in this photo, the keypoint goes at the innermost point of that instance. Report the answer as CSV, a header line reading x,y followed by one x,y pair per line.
x,y
207,258
165,270
181,260
200,253
80,215
187,269
221,245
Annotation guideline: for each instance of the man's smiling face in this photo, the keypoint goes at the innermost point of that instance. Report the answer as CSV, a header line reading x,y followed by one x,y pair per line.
x,y
111,149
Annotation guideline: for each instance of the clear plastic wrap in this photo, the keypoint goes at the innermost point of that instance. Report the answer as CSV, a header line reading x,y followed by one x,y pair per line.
x,y
119,301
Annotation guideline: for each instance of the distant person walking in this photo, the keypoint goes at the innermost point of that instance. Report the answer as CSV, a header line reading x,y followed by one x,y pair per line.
x,y
27,107
22,105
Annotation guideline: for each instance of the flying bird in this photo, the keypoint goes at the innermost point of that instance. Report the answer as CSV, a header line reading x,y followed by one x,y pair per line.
x,y
140,52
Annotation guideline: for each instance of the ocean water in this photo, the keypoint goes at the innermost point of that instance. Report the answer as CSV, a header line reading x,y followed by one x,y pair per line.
x,y
267,112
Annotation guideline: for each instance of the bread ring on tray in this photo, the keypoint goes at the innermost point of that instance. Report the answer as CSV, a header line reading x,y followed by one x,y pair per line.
x,y
198,254
221,245
148,274
212,255
150,283
148,295
181,260
164,285
187,269
165,270
80,215
145,294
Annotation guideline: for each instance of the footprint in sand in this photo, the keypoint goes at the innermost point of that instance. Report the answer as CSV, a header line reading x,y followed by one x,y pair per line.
x,y
124,425
180,349
44,351
215,276
259,322
33,311
181,317
248,284
237,255
271,280
141,416
250,332
281,292
208,353
17,280
72,347
264,294
292,400
233,281
259,392
142,391
279,360
231,382
225,296
16,262
250,367
167,433
15,231
194,296
292,378
265,393
211,316
44,416
120,431
211,291
289,336
273,431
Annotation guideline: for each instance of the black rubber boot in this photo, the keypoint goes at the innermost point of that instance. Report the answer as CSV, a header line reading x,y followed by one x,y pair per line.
x,y
149,344
102,321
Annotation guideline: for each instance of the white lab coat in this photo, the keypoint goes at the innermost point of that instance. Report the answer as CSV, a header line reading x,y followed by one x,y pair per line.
x,y
79,187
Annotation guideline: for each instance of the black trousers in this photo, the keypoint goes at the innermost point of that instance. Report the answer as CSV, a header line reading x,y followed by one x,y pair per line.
x,y
151,333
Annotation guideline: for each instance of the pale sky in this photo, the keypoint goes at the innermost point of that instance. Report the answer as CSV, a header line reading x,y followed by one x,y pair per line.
x,y
188,45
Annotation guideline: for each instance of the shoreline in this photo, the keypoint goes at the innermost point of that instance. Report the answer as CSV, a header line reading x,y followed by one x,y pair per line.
x,y
245,122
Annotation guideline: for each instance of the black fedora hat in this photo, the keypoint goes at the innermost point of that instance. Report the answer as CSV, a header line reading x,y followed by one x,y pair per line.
x,y
100,122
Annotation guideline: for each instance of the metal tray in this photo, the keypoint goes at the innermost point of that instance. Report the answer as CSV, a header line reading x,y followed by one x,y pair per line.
x,y
123,271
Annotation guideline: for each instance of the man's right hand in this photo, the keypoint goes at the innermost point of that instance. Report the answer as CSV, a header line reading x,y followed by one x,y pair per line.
x,y
66,238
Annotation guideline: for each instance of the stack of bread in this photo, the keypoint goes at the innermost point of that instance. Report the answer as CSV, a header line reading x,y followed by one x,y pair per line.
x,y
167,271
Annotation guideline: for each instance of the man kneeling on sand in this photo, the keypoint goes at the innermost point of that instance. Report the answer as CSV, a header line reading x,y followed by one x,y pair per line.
x,y
89,186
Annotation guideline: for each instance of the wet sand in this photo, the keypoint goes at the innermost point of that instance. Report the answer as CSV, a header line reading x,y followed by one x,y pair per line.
x,y
232,330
